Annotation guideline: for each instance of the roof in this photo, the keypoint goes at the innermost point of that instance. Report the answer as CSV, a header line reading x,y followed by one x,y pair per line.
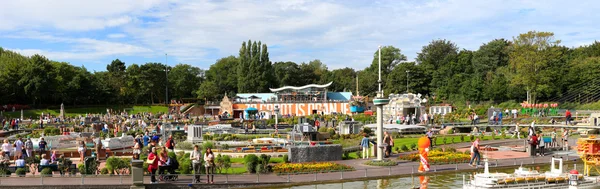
x,y
262,96
339,96
302,87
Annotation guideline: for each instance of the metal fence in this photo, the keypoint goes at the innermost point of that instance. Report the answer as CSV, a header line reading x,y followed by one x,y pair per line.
x,y
368,172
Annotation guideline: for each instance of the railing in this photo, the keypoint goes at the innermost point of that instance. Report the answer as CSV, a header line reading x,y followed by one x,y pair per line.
x,y
360,172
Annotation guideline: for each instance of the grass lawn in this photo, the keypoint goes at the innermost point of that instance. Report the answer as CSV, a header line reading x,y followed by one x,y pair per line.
x,y
439,140
272,160
81,111
234,170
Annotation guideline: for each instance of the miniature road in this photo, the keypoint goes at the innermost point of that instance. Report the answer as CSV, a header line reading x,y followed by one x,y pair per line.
x,y
362,172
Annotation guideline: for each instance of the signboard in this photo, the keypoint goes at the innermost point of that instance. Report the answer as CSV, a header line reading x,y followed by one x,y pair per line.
x,y
299,109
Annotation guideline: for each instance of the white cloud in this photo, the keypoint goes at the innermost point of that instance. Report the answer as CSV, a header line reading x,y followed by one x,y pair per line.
x,y
116,35
340,33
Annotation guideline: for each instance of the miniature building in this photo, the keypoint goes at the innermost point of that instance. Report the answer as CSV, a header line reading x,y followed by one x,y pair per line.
x,y
441,110
194,133
402,105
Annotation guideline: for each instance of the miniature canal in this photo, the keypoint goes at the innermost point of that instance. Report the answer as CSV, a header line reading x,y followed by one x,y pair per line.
x,y
438,180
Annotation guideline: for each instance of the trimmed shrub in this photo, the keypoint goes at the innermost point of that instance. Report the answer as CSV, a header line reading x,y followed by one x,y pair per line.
x,y
381,163
287,160
47,172
413,146
251,161
184,146
404,148
21,172
104,171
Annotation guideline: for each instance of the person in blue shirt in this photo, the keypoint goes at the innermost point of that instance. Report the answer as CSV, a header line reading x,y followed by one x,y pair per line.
x,y
364,143
146,139
500,118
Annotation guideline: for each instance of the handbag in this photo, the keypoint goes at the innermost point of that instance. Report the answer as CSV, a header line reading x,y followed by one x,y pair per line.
x,y
150,161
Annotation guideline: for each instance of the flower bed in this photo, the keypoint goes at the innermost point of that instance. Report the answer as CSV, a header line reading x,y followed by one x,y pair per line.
x,y
436,157
320,167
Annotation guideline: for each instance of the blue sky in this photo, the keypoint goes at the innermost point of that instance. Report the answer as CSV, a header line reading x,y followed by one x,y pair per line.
x,y
339,33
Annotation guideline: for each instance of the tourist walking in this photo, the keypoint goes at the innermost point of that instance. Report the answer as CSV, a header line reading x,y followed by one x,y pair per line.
x,y
567,117
195,157
170,143
18,148
430,136
136,148
475,153
387,139
29,147
364,144
152,165
517,131
210,166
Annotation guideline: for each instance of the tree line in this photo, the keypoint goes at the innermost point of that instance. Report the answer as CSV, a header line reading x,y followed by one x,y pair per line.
x,y
532,64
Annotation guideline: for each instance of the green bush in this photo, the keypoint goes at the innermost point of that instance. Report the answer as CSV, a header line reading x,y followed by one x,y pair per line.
x,y
451,131
381,163
472,138
185,166
287,160
251,161
323,129
331,132
359,154
263,163
118,165
462,138
104,171
404,148
413,146
207,144
21,171
46,172
184,146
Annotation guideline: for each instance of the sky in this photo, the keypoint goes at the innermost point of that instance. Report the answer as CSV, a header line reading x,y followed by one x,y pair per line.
x,y
343,33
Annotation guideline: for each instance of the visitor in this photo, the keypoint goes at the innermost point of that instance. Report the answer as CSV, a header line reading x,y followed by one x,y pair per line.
x,y
541,144
494,114
18,144
475,153
97,146
81,149
152,165
553,143
517,131
531,131
430,136
29,147
565,137
146,139
20,163
6,147
533,143
136,148
364,144
163,161
567,117
170,143
514,113
53,157
195,157
387,139
500,118
44,161
476,117
4,158
210,166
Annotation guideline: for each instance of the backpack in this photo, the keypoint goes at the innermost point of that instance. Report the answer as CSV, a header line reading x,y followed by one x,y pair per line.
x,y
169,142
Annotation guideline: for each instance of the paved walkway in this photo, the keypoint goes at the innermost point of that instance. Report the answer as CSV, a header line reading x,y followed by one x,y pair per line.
x,y
362,172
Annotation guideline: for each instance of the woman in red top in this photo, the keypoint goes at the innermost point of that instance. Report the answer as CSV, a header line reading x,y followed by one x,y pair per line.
x,y
153,166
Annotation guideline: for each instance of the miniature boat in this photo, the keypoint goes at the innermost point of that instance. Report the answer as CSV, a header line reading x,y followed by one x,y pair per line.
x,y
524,178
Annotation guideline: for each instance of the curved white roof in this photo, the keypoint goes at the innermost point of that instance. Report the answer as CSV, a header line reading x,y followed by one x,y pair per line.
x,y
302,87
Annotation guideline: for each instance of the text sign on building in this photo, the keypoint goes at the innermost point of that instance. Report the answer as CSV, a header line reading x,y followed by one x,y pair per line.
x,y
299,109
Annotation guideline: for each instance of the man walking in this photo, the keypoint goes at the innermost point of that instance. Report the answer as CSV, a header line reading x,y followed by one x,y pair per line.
x,y
364,144
475,153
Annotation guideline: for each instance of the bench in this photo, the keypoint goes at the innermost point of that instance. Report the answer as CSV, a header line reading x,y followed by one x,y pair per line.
x,y
282,150
265,151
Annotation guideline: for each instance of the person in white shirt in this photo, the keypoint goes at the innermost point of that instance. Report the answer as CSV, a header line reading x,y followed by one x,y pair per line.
x,y
210,166
20,162
195,157
44,161
18,148
6,147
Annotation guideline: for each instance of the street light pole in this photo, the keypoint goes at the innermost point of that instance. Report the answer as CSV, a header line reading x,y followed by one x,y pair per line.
x,y
167,80
407,71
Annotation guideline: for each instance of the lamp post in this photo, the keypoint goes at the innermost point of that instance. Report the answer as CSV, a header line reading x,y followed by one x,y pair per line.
x,y
276,117
380,101
407,71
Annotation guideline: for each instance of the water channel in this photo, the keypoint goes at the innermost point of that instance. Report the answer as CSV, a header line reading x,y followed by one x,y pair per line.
x,y
439,180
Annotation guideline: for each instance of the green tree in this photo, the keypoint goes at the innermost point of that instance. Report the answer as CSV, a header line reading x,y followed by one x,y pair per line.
x,y
208,90
37,80
396,80
287,73
434,57
530,55
227,82
184,80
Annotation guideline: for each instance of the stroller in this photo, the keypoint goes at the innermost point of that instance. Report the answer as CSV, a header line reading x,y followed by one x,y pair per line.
x,y
168,171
